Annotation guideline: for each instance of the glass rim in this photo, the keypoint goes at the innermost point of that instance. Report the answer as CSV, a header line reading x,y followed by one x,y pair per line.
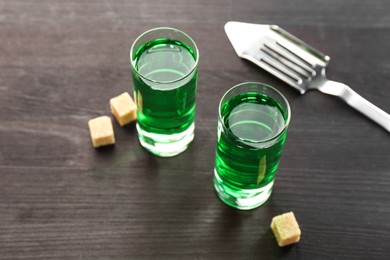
x,y
274,137
171,29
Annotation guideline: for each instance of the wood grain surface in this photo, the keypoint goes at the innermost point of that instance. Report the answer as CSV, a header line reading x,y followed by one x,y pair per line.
x,y
61,62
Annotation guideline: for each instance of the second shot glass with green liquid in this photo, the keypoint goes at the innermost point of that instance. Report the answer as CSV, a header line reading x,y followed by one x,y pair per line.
x,y
252,127
164,64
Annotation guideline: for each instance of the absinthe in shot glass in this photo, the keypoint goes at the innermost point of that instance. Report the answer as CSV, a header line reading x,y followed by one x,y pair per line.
x,y
166,101
244,161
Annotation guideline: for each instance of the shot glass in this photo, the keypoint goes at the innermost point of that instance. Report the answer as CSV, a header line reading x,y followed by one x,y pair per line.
x,y
164,64
252,126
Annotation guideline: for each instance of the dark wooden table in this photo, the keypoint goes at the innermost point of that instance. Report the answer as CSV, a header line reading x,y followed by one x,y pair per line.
x,y
61,62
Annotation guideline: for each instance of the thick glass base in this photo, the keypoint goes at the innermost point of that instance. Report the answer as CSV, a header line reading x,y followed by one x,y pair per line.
x,y
166,145
244,199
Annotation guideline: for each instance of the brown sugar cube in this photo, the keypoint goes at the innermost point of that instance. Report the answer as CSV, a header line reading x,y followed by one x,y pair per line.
x,y
123,108
101,131
286,229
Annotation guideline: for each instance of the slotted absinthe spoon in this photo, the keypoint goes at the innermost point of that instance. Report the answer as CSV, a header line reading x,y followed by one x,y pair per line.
x,y
296,63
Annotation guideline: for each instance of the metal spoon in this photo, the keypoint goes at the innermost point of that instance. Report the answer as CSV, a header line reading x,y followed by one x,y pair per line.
x,y
295,63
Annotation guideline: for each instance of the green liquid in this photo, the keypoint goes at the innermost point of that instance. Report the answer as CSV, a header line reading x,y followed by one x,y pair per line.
x,y
166,101
246,158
